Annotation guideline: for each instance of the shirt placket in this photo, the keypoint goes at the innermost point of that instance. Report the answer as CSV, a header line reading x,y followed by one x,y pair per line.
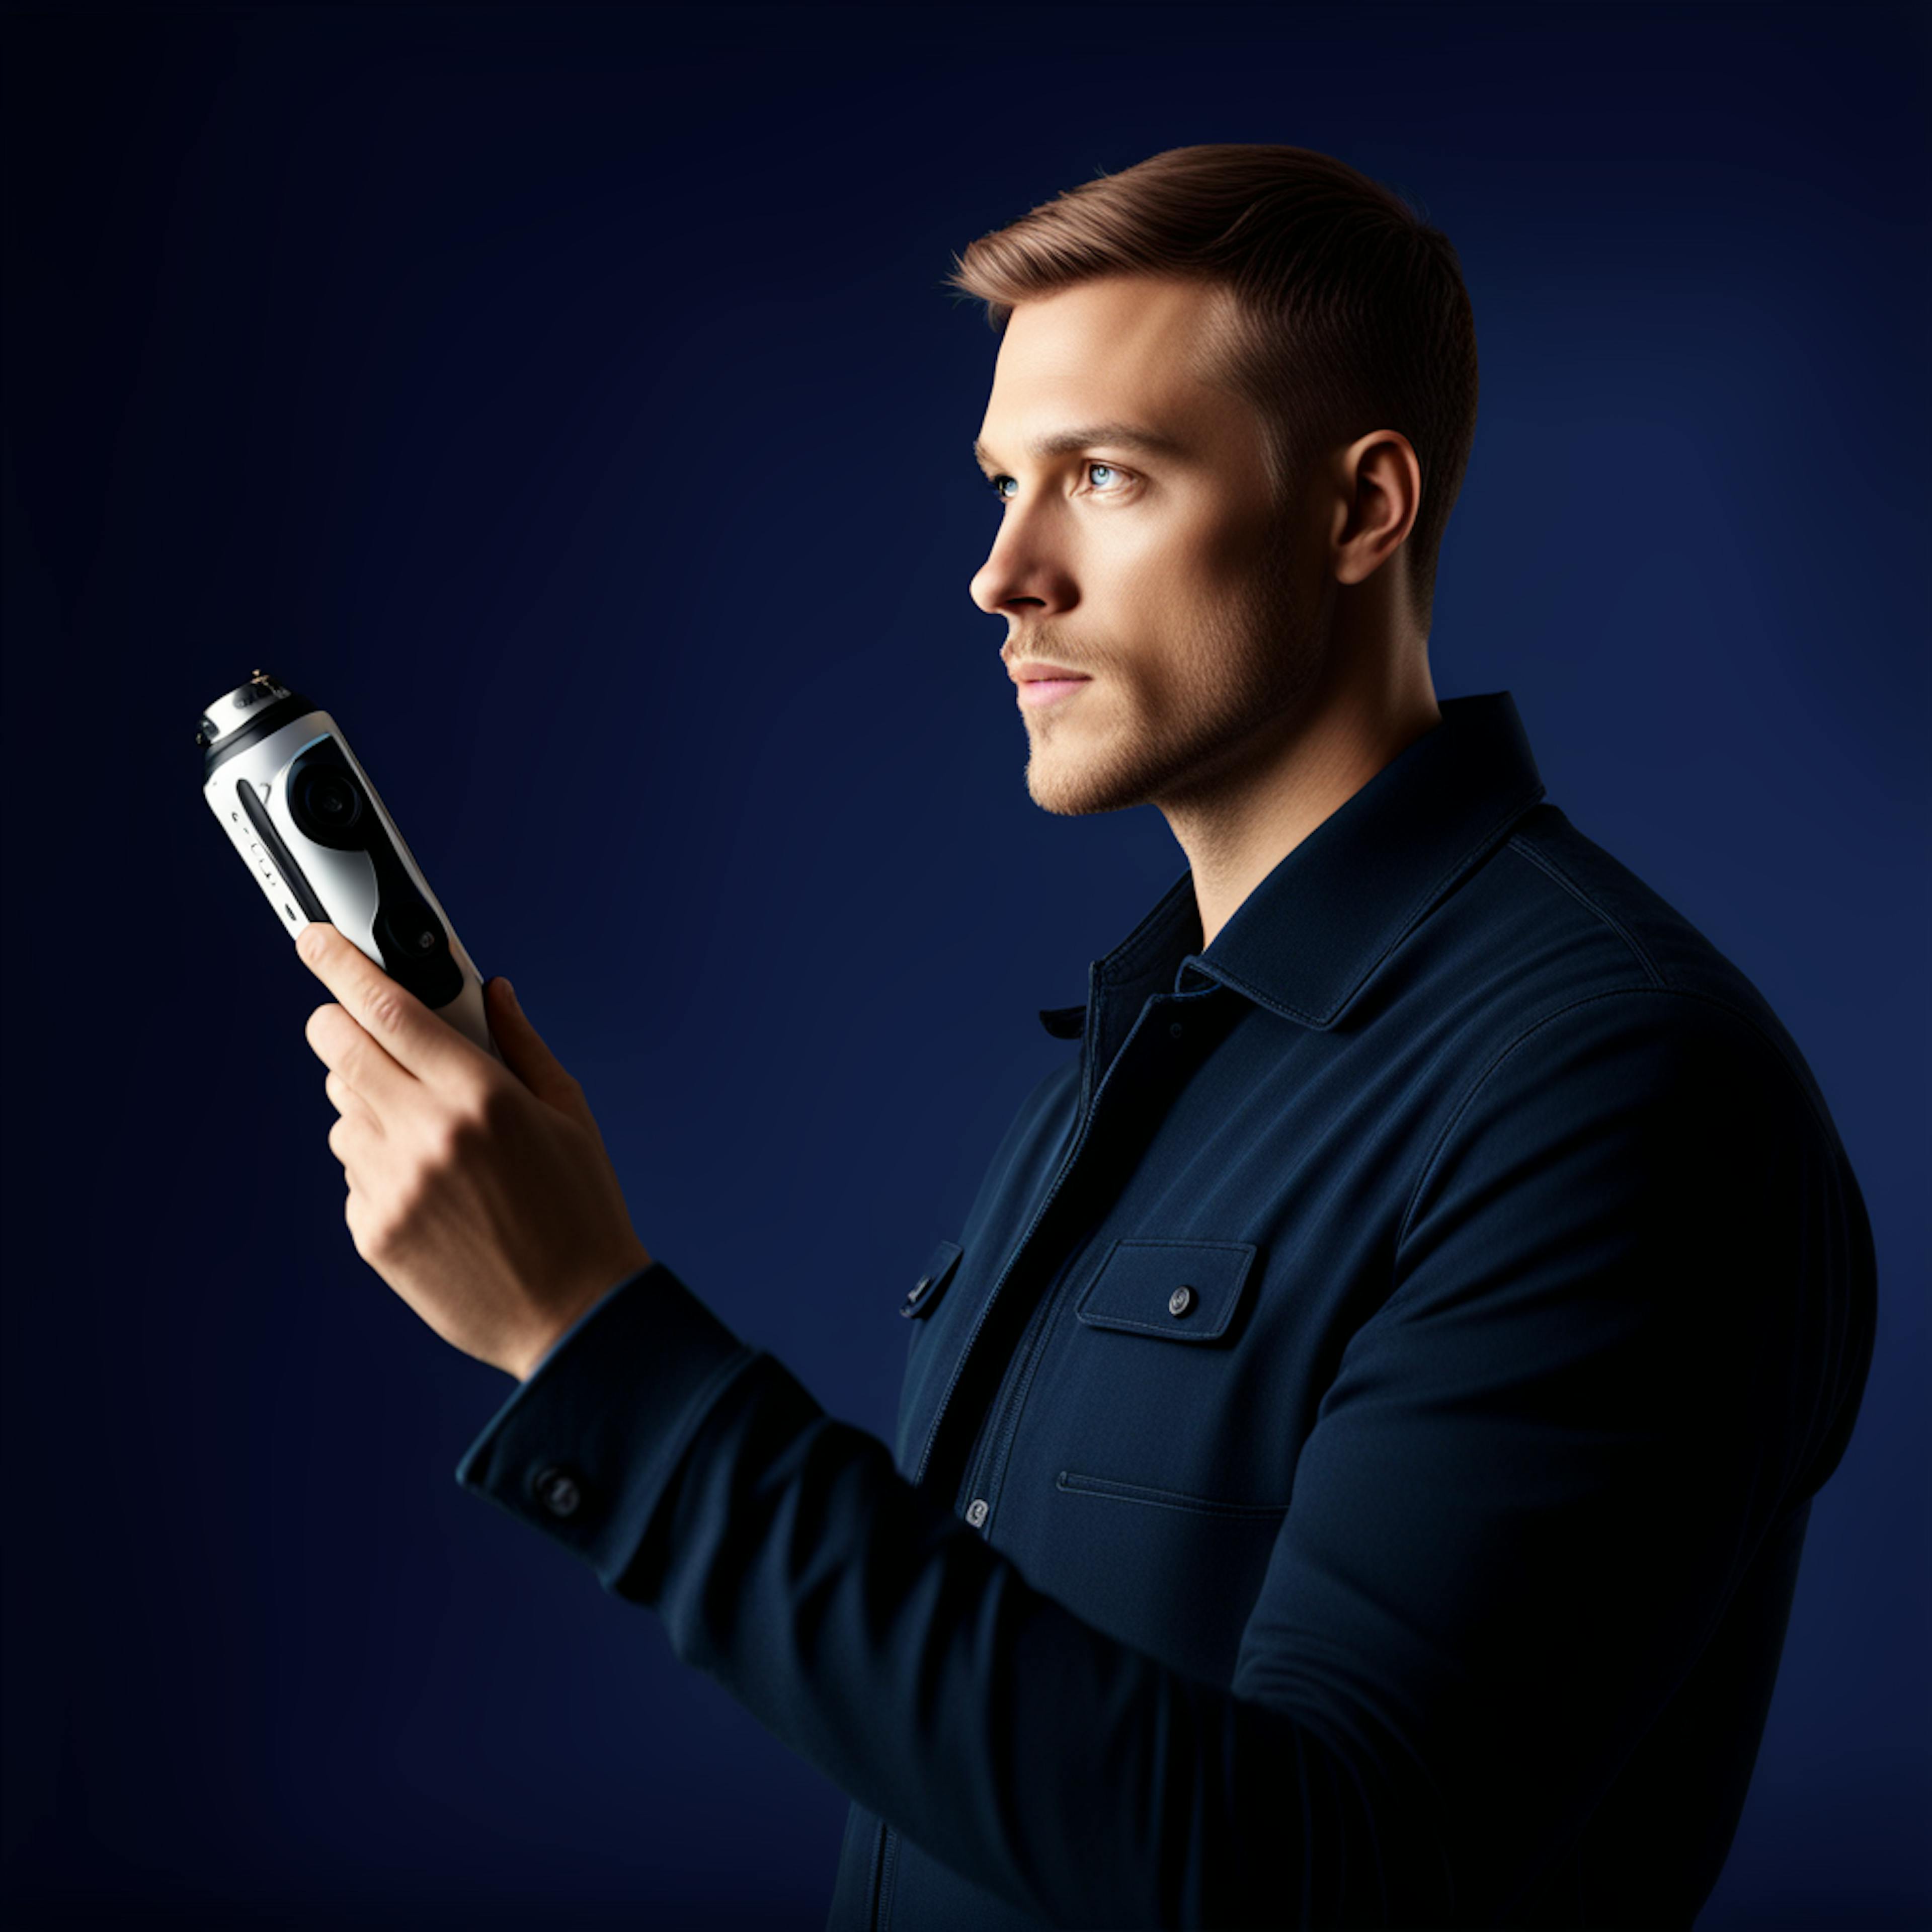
x,y
1160,1049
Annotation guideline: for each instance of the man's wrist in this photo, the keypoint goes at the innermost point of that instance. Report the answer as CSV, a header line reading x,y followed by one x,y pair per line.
x,y
557,1325
585,1446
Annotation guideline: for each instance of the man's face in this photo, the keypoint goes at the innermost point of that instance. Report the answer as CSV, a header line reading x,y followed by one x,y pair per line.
x,y
1163,569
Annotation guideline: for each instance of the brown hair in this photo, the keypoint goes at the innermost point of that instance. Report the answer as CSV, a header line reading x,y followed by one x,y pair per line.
x,y
1349,313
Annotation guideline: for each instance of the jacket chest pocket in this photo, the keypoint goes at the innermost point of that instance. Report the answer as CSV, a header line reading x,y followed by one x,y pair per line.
x,y
1178,1291
928,1348
924,1293
1156,1501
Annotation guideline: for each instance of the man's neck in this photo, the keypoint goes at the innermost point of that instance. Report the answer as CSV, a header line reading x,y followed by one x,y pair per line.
x,y
1236,834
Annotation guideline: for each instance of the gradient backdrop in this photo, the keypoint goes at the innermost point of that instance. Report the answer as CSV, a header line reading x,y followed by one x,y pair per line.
x,y
568,401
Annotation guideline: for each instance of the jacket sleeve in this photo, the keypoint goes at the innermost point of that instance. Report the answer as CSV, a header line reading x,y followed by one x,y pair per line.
x,y
1615,1313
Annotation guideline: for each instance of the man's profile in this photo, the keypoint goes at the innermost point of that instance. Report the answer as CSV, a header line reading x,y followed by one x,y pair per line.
x,y
1354,1457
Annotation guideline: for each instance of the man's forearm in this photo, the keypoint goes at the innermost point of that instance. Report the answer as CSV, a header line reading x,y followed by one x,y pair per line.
x,y
865,1624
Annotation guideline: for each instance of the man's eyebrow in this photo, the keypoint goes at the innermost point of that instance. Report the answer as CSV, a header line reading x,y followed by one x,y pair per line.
x,y
1064,442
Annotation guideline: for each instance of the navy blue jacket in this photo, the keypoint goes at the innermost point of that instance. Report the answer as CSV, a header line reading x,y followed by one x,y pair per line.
x,y
1354,1459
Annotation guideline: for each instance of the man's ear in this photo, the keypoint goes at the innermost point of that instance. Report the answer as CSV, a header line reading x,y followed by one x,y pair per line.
x,y
1381,492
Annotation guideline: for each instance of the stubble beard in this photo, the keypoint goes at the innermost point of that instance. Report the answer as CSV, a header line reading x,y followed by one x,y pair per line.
x,y
1235,683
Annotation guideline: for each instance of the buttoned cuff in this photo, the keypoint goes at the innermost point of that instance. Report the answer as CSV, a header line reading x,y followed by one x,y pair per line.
x,y
586,1447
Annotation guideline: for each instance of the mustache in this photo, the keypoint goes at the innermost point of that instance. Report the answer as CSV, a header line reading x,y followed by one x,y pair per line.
x,y
1044,642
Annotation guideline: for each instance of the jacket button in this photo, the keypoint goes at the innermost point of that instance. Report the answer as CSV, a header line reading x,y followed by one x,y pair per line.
x,y
1180,1301
559,1492
976,1511
1173,1031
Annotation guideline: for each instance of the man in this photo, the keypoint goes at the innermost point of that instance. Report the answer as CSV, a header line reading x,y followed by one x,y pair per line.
x,y
1354,1460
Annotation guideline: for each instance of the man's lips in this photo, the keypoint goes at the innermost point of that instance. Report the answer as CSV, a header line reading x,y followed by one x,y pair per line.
x,y
1035,691
1032,670
1043,683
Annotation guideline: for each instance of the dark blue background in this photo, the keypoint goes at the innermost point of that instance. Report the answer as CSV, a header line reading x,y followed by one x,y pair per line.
x,y
568,401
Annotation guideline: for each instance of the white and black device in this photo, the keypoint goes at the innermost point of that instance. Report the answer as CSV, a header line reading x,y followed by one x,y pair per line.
x,y
302,813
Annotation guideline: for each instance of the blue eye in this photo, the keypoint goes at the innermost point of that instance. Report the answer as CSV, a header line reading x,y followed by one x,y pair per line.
x,y
999,485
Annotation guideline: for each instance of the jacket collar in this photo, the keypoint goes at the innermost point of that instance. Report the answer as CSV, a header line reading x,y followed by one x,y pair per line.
x,y
1308,938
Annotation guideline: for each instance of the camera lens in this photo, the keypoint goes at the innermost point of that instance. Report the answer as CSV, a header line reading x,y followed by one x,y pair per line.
x,y
328,800
333,800
407,929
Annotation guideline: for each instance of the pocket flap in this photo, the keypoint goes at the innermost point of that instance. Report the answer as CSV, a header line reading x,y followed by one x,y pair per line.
x,y
1180,1291
932,1279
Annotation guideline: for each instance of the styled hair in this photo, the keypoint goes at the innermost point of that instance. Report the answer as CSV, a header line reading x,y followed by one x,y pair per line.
x,y
1348,312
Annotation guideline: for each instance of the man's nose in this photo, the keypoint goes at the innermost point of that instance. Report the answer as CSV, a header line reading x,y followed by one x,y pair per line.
x,y
1023,571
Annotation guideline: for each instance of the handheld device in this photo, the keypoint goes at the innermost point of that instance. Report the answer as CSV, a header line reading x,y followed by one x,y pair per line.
x,y
299,809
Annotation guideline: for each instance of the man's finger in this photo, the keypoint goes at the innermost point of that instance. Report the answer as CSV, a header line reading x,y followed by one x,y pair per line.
x,y
406,1030
348,1141
345,1100
340,1043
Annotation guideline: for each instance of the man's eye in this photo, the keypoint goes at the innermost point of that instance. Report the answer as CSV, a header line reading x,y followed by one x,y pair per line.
x,y
1106,477
1103,477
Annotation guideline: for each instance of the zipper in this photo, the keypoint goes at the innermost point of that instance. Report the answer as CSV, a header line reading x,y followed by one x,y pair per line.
x,y
889,1858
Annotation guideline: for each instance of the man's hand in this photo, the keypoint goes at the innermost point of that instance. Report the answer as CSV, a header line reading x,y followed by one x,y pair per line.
x,y
484,1197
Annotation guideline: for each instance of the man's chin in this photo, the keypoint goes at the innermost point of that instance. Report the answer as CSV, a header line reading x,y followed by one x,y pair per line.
x,y
1072,789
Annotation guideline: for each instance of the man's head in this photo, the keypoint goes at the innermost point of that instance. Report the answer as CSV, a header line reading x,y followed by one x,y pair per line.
x,y
1296,347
